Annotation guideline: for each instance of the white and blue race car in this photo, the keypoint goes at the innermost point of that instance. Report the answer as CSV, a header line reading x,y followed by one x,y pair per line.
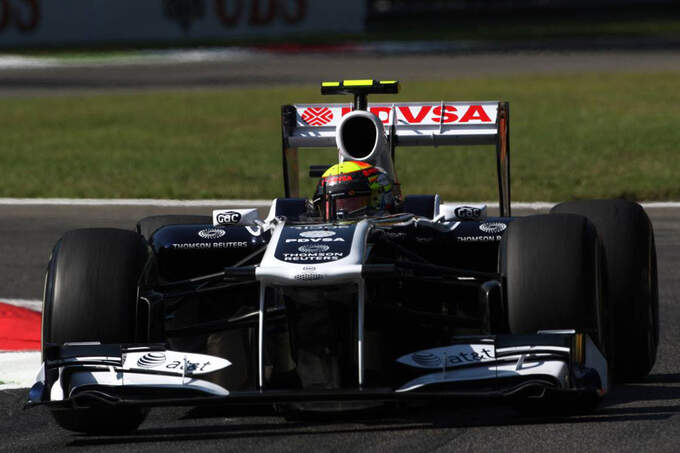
x,y
306,309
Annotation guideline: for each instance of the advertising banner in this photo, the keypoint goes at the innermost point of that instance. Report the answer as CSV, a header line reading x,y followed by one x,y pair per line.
x,y
37,23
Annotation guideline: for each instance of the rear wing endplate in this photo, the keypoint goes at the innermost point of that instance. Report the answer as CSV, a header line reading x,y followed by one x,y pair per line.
x,y
406,124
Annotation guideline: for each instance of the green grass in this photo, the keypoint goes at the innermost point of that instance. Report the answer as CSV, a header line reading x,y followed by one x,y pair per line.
x,y
572,136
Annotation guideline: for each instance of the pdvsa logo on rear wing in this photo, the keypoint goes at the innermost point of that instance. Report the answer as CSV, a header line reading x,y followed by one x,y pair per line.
x,y
412,123
433,113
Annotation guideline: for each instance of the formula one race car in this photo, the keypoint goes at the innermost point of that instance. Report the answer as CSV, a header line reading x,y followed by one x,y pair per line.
x,y
356,297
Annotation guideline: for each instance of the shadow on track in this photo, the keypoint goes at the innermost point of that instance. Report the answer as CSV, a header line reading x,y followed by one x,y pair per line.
x,y
655,387
265,422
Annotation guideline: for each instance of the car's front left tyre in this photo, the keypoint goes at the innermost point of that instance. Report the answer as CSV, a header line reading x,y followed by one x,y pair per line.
x,y
552,271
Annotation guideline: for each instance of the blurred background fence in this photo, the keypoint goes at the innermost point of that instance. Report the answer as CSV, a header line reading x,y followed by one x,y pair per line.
x,y
39,24
36,23
381,8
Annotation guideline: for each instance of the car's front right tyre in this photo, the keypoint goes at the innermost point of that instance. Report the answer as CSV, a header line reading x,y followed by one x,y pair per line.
x,y
90,295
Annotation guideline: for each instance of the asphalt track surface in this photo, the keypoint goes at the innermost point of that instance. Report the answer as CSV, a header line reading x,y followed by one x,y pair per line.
x,y
634,417
262,68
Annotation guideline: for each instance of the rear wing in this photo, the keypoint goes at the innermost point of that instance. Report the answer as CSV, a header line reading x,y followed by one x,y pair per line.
x,y
406,124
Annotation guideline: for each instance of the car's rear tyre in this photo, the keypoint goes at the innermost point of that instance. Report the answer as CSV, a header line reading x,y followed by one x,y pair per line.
x,y
90,295
551,268
631,280
148,225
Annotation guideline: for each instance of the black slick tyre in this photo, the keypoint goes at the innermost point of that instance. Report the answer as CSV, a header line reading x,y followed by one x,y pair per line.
x,y
90,295
631,279
148,225
551,267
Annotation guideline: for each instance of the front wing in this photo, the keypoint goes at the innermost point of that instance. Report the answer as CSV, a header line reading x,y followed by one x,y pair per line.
x,y
89,375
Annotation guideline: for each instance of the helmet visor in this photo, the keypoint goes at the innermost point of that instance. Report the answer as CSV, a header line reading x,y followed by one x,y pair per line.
x,y
345,206
352,204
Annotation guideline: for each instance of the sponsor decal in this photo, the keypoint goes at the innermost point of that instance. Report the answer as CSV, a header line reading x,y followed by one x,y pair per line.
x,y
310,244
314,240
332,180
157,359
467,212
493,227
229,217
210,245
479,238
313,248
212,233
430,360
314,257
317,234
246,217
320,227
426,359
174,362
151,360
450,356
438,114
426,114
308,276
190,366
469,357
317,116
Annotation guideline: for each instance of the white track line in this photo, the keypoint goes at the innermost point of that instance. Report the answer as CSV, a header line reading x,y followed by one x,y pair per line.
x,y
31,304
537,205
158,57
127,202
18,369
540,205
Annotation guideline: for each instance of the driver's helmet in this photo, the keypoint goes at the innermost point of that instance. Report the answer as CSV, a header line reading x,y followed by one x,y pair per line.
x,y
353,189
